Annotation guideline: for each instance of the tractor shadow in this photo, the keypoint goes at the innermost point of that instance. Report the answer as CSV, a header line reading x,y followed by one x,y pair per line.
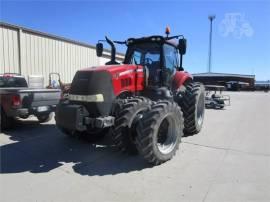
x,y
41,148
24,129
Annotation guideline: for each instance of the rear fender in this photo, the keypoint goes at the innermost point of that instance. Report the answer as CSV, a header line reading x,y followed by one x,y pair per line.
x,y
179,79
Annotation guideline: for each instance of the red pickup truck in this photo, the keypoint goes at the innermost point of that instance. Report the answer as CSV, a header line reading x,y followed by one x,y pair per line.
x,y
17,100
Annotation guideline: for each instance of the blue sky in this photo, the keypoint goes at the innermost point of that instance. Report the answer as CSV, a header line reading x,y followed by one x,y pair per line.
x,y
241,30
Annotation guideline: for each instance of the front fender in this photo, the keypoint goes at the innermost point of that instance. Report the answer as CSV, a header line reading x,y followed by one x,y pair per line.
x,y
180,78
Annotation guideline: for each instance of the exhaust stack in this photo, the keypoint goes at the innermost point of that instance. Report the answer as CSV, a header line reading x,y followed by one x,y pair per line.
x,y
113,52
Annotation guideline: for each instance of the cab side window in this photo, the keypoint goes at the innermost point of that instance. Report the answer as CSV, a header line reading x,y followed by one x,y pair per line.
x,y
136,59
170,57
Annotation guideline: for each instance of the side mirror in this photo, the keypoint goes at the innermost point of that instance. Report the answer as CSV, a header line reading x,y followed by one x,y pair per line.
x,y
99,49
182,46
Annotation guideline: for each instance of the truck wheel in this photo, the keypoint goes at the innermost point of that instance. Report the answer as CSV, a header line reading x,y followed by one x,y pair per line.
x,y
42,118
124,130
212,105
192,104
159,132
6,122
24,116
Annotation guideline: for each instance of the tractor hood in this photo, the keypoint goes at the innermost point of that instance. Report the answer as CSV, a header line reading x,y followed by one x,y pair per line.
x,y
97,87
121,74
114,69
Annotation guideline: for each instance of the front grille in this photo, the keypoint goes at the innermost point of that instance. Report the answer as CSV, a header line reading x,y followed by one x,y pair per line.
x,y
90,83
125,82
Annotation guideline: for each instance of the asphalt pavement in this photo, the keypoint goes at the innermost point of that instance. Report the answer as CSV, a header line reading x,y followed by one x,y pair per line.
x,y
228,161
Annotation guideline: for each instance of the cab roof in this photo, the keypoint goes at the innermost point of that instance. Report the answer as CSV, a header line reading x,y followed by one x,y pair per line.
x,y
154,39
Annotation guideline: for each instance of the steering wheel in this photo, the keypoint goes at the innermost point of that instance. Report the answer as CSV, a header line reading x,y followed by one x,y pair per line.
x,y
148,61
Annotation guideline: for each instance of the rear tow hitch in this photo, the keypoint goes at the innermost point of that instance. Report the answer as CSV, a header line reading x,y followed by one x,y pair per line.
x,y
101,122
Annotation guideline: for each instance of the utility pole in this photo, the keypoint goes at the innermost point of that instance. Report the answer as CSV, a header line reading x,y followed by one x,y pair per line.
x,y
211,18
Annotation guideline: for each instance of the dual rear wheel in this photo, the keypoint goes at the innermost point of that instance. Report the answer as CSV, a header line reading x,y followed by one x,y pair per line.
x,y
192,103
155,129
159,132
124,130
152,129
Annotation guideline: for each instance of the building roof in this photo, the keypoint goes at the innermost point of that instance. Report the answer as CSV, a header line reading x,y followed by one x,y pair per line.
x,y
212,74
52,36
262,82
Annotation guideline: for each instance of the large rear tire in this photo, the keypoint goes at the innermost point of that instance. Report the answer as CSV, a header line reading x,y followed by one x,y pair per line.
x,y
192,103
159,132
124,130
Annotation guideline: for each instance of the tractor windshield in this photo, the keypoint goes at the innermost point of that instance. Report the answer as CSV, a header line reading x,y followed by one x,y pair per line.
x,y
148,55
144,54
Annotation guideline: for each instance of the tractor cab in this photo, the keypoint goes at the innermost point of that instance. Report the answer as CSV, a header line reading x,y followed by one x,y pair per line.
x,y
159,57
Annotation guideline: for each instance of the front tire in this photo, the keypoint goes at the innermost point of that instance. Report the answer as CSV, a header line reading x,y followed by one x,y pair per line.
x,y
124,130
160,132
192,104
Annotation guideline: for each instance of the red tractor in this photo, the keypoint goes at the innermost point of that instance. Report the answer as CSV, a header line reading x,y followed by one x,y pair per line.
x,y
147,103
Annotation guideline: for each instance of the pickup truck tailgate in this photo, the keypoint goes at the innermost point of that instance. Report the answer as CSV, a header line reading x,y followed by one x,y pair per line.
x,y
39,97
44,97
50,97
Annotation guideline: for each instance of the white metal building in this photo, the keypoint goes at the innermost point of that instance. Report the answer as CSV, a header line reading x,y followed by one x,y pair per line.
x,y
31,52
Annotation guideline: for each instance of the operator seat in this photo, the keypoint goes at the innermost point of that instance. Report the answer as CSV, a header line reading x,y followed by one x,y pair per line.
x,y
154,73
155,91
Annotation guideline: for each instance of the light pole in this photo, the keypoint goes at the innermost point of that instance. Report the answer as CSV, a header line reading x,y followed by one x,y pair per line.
x,y
211,18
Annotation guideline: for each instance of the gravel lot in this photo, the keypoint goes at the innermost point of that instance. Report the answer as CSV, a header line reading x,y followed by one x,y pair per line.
x,y
228,161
